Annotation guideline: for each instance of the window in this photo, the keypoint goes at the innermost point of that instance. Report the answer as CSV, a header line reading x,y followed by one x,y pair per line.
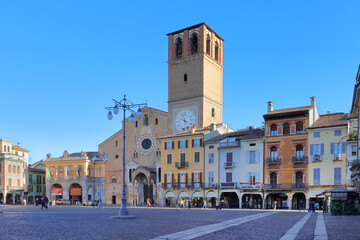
x,y
38,179
156,121
169,145
182,159
196,157
216,51
273,178
18,170
14,169
9,169
113,180
208,44
337,176
316,176
337,148
228,177
273,130
8,148
299,151
273,153
353,150
252,144
211,158
213,112
211,178
316,134
136,124
211,147
30,179
185,77
38,189
183,144
229,157
30,188
251,157
337,132
159,175
116,143
299,127
286,129
116,156
178,48
145,120
169,158
251,178
194,43
130,175
317,149
10,184
197,143
18,182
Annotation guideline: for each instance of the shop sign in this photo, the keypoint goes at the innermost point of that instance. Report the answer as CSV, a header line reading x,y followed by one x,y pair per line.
x,y
75,191
56,191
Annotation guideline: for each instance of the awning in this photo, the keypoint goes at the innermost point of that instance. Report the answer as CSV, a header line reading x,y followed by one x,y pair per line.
x,y
211,194
197,194
169,195
184,194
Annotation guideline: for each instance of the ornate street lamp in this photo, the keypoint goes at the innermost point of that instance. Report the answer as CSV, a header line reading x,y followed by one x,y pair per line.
x,y
125,105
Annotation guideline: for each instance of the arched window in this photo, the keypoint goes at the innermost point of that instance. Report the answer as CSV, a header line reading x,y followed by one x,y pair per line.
x,y
8,149
194,43
159,175
60,172
185,77
52,172
113,180
299,178
116,143
145,120
80,171
273,178
18,170
136,124
156,121
178,48
208,44
286,129
71,171
14,169
216,51
130,175
4,148
273,153
273,130
9,169
299,127
299,151
213,112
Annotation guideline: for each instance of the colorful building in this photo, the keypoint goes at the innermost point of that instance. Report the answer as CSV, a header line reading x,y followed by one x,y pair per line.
x,y
327,163
36,187
286,155
13,171
182,164
79,177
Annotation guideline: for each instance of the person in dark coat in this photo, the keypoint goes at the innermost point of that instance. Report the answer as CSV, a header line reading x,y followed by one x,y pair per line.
x,y
45,202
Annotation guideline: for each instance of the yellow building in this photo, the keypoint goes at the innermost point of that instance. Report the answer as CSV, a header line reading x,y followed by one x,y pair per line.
x,y
182,164
79,177
327,160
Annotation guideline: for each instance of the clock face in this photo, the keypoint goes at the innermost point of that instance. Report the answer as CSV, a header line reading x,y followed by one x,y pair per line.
x,y
184,119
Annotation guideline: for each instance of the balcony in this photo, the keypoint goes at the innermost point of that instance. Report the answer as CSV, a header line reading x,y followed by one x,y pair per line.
x,y
228,185
229,144
273,161
210,185
250,185
229,164
316,158
299,159
181,165
196,185
15,188
339,157
285,186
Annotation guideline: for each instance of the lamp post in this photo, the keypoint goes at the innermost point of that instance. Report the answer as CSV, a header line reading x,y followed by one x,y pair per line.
x,y
125,105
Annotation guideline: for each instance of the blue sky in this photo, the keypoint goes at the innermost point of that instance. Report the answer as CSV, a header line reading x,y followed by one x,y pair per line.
x,y
61,62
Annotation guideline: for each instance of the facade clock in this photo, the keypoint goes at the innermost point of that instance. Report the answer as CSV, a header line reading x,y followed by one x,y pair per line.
x,y
145,144
183,119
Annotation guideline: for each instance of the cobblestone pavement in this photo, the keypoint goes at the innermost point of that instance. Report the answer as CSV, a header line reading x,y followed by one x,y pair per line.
x,y
75,222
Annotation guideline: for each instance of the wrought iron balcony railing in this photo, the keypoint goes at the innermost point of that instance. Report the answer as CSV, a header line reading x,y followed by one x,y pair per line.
x,y
339,157
299,159
181,165
228,185
316,158
229,144
211,185
229,164
285,186
250,185
273,161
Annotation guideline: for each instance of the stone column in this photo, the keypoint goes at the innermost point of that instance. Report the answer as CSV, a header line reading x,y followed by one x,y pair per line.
x,y
13,198
4,197
289,202
240,200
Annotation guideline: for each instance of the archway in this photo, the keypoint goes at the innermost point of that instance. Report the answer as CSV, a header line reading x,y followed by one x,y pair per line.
x,y
229,200
251,201
169,199
280,200
299,201
1,198
299,179
211,198
89,193
183,199
143,189
56,193
75,193
197,199
9,198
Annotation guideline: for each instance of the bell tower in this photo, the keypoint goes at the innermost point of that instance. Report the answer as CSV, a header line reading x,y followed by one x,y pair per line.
x,y
195,77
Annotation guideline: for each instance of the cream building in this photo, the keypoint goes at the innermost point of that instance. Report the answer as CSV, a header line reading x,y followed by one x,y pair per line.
x,y
142,158
79,177
327,158
13,171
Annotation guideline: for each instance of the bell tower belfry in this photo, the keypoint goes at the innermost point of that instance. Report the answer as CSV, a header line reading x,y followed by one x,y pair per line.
x,y
195,77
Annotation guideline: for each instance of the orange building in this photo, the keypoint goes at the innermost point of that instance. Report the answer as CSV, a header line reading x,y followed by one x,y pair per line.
x,y
286,155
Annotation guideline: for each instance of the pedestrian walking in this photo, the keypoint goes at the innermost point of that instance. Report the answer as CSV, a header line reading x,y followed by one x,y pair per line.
x,y
205,204
218,204
301,206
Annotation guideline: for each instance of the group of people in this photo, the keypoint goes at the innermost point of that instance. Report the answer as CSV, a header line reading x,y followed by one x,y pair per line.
x,y
189,204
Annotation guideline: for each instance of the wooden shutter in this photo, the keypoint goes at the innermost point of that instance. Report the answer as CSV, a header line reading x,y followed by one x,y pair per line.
x,y
322,149
200,176
165,147
192,143
172,178
247,157
332,148
186,179
178,177
201,142
311,149
257,156
165,178
343,147
192,177
173,144
186,145
178,144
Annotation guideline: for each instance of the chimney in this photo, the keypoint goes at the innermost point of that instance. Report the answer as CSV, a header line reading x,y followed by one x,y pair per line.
x,y
18,144
213,126
313,102
183,130
270,106
193,128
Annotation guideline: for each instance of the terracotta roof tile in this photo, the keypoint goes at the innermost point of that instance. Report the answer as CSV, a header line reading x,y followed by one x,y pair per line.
x,y
187,133
288,110
242,134
330,120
